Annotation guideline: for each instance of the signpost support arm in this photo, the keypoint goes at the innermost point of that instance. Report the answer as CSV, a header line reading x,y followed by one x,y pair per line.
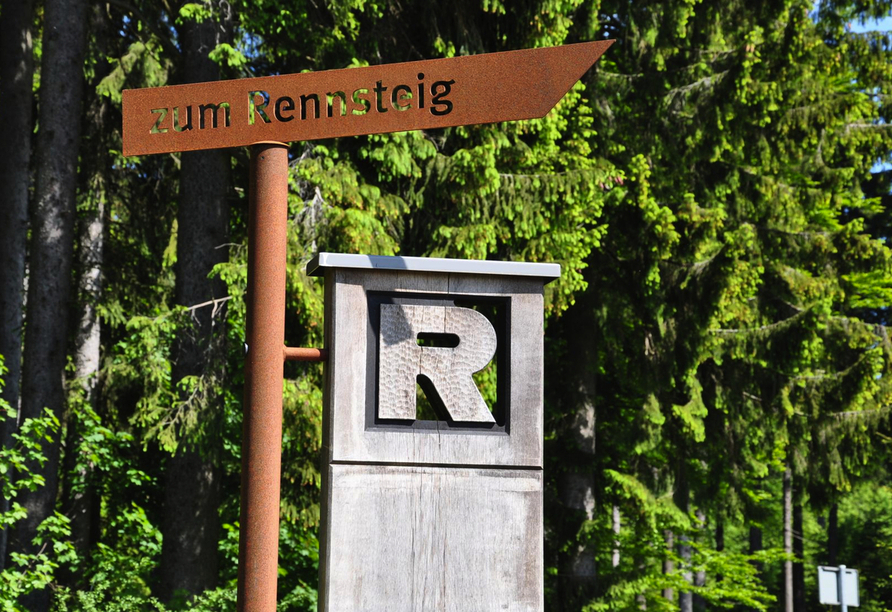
x,y
264,371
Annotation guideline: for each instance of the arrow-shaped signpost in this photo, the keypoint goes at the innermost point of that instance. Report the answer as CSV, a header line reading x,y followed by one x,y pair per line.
x,y
267,112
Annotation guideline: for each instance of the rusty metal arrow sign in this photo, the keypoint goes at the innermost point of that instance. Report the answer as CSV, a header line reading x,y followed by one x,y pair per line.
x,y
428,94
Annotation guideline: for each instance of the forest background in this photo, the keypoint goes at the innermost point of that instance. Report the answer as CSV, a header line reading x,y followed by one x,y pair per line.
x,y
718,368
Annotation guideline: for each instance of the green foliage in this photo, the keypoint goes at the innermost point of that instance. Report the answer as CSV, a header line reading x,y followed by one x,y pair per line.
x,y
723,301
740,584
101,598
298,568
195,11
25,573
726,310
227,55
865,527
140,58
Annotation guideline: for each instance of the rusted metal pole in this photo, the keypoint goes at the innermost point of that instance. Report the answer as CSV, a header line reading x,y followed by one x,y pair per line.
x,y
264,363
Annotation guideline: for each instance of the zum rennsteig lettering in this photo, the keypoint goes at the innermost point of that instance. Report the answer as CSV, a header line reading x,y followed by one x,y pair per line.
x,y
283,109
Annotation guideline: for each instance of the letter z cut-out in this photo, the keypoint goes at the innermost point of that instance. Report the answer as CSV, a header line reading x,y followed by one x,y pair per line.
x,y
401,360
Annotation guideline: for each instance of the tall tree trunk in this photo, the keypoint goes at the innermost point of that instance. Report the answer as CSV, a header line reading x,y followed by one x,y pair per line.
x,y
616,529
43,368
833,535
578,570
79,495
190,523
788,539
798,569
87,345
755,539
755,545
668,564
683,501
685,598
576,486
700,575
16,80
641,598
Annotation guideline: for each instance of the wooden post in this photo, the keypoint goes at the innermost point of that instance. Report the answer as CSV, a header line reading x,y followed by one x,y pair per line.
x,y
421,514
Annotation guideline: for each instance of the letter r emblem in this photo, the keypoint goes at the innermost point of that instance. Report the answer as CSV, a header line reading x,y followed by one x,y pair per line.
x,y
401,360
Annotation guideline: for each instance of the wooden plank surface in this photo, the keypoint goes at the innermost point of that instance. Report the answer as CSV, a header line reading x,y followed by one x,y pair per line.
x,y
425,539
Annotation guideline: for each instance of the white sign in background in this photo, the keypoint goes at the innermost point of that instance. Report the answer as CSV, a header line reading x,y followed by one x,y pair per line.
x,y
829,585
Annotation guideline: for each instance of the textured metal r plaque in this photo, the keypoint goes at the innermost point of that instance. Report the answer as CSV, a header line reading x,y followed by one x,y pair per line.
x,y
449,369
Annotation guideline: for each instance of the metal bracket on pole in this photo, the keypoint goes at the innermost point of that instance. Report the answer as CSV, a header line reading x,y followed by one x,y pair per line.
x,y
305,354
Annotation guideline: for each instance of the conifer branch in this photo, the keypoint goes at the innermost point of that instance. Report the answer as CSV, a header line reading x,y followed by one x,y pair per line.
x,y
848,414
705,82
215,302
866,126
165,39
753,330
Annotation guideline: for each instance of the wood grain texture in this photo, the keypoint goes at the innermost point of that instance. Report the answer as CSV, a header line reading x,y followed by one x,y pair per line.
x,y
347,437
424,539
449,369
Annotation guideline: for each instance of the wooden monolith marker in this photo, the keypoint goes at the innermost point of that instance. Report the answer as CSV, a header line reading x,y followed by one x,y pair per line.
x,y
437,512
